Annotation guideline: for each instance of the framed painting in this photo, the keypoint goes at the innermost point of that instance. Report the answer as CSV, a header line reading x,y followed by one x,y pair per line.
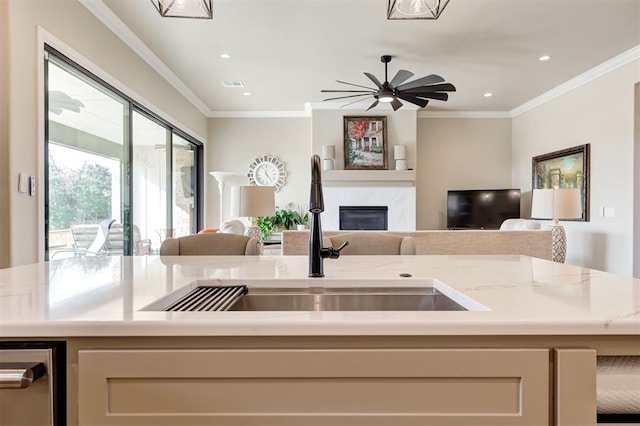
x,y
567,168
365,143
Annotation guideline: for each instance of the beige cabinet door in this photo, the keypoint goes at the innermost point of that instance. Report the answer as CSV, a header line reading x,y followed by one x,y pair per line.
x,y
314,387
575,387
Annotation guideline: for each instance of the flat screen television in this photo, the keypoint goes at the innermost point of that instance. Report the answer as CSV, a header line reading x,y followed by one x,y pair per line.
x,y
481,208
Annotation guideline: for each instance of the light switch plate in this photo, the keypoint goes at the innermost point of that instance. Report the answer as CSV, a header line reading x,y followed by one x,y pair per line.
x,y
23,182
609,211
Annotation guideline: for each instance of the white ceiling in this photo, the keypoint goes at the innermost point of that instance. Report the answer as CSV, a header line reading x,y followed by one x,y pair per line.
x,y
286,51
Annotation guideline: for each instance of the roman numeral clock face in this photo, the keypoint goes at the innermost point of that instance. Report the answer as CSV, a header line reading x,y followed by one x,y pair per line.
x,y
267,170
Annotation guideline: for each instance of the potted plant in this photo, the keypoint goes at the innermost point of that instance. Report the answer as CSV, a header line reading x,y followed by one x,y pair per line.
x,y
266,225
301,218
284,219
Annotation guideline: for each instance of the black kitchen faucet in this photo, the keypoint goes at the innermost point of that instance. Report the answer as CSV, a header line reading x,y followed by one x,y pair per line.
x,y
317,253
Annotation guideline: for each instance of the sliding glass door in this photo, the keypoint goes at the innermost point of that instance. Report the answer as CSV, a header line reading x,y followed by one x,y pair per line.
x,y
85,151
183,195
149,178
118,178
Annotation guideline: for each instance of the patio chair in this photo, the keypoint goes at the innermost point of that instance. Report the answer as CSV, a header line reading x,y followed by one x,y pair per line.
x,y
115,241
90,239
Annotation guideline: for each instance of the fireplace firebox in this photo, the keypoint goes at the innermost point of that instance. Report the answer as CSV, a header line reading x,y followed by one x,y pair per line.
x,y
371,218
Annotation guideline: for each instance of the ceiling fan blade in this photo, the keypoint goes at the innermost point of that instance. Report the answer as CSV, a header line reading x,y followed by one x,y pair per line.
x,y
414,100
443,87
396,104
374,79
357,85
428,95
373,105
400,77
345,97
422,81
348,91
357,100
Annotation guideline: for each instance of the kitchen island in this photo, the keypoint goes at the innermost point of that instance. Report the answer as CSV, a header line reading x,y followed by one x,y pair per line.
x,y
524,354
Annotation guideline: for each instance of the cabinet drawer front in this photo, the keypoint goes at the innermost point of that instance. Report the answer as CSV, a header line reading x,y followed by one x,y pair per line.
x,y
315,387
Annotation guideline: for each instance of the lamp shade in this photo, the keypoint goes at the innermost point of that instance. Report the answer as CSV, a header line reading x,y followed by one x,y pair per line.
x,y
257,201
556,204
400,152
328,152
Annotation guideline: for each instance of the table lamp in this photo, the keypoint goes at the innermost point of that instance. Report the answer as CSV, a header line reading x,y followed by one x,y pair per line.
x,y
557,204
256,201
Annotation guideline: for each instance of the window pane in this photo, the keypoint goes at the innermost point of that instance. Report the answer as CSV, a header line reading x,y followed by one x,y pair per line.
x,y
149,178
184,187
85,151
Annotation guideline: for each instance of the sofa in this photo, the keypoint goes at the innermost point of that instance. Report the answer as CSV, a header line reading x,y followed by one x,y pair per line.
x,y
535,243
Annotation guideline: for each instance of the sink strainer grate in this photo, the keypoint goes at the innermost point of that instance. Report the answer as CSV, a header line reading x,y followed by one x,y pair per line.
x,y
219,298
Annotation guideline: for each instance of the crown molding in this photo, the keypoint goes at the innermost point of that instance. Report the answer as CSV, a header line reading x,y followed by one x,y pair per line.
x,y
584,78
112,22
311,106
464,114
259,114
361,106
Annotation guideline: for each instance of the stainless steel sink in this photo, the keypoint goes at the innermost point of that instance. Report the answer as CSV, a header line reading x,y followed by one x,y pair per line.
x,y
334,295
345,299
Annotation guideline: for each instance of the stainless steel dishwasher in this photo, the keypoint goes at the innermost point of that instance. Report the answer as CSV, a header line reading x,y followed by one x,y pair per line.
x,y
32,383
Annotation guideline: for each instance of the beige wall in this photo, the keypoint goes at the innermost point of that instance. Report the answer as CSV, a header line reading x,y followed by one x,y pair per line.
x,y
600,113
233,143
4,135
75,27
455,153
480,148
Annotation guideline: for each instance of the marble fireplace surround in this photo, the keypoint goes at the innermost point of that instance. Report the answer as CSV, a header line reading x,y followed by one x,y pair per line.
x,y
398,196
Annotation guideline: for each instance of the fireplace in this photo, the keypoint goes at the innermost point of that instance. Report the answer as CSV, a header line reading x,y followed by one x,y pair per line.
x,y
401,201
371,218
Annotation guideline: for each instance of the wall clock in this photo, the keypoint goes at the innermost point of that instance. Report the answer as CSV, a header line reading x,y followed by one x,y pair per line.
x,y
267,170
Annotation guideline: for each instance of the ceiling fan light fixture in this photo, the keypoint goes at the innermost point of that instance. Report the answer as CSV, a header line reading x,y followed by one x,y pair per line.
x,y
415,9
417,92
198,9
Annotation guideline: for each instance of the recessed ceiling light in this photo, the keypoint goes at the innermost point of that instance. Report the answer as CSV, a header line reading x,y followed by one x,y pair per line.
x,y
225,56
544,57
246,94
488,95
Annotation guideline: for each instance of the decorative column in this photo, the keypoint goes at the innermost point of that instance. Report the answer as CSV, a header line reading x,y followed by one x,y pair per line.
x,y
223,178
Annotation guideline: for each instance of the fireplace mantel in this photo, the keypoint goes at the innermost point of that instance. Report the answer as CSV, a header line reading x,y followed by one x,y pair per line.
x,y
356,177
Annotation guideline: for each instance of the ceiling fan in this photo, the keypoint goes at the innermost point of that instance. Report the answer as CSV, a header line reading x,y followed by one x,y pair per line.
x,y
418,91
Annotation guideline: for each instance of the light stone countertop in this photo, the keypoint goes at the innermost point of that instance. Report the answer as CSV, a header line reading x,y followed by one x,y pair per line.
x,y
517,295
